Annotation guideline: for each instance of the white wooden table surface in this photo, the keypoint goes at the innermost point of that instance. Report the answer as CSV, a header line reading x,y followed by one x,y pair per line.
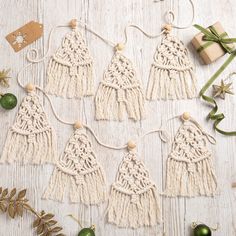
x,y
109,17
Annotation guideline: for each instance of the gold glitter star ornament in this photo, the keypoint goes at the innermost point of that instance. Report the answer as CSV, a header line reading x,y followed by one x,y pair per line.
x,y
222,89
4,77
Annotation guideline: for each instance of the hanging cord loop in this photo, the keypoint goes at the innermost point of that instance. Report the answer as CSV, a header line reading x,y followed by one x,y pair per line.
x,y
170,16
164,136
86,27
33,54
142,31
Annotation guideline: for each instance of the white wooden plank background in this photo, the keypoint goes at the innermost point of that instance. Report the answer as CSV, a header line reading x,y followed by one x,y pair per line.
x,y
109,17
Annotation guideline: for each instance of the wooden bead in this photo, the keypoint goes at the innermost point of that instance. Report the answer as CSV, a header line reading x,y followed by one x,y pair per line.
x,y
30,87
186,116
131,145
167,27
73,23
120,47
78,125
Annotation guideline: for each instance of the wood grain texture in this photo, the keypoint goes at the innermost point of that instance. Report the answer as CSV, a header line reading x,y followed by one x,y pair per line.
x,y
109,17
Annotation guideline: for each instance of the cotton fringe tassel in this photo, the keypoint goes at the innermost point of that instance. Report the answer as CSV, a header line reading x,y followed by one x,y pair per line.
x,y
112,102
165,85
34,148
134,211
88,188
190,179
69,81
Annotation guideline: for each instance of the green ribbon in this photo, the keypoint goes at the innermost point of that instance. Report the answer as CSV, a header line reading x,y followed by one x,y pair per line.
x,y
206,45
213,36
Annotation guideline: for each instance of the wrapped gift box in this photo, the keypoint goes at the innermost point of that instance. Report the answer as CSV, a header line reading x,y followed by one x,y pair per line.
x,y
210,51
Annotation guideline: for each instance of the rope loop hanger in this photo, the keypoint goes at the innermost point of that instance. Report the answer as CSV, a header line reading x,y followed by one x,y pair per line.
x,y
170,16
172,75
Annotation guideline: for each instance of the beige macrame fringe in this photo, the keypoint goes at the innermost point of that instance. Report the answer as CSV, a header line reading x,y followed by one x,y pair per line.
x,y
171,75
134,211
190,179
34,148
68,81
133,201
162,86
119,92
112,103
89,188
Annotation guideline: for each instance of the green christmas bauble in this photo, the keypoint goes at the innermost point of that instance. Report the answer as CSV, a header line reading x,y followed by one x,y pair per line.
x,y
86,232
8,101
202,230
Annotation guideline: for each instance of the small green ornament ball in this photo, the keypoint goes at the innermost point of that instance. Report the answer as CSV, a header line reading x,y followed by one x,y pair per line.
x,y
86,232
8,101
202,230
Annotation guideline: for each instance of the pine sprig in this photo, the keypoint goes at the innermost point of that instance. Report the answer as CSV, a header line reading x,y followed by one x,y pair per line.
x,y
14,204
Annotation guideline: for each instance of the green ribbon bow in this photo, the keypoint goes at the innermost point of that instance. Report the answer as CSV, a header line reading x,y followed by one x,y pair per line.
x,y
213,36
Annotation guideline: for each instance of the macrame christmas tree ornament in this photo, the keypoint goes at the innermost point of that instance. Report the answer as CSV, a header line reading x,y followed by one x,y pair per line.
x,y
78,172
31,139
172,75
120,91
70,69
190,169
133,201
